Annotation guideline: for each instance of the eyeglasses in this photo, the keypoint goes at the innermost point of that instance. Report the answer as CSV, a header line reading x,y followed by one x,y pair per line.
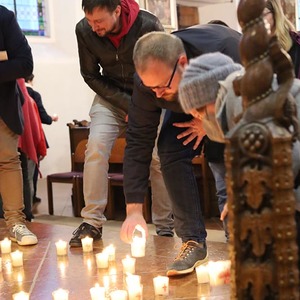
x,y
165,87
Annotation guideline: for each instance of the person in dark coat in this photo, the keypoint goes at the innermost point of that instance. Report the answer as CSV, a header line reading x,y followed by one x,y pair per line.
x,y
106,37
159,60
15,62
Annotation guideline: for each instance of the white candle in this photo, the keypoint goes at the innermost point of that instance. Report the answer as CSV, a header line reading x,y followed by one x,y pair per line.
x,y
18,275
111,251
106,282
102,260
203,290
219,272
21,296
0,264
60,294
16,258
87,244
161,285
97,292
128,265
5,246
135,292
118,295
133,280
61,248
202,274
138,243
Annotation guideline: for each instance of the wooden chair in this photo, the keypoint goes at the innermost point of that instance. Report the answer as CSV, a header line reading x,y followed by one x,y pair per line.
x,y
116,179
78,139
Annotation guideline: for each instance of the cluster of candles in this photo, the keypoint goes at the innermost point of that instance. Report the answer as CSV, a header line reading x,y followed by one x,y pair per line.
x,y
209,273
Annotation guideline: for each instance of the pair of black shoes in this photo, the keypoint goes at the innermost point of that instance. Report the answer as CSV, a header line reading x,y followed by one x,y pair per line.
x,y
84,230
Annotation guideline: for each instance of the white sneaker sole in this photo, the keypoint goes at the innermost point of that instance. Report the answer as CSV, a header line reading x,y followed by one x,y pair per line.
x,y
26,241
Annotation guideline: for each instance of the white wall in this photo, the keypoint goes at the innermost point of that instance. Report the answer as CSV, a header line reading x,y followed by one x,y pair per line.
x,y
224,10
227,12
58,79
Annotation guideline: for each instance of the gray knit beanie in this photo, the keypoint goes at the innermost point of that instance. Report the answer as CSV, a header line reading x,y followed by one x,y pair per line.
x,y
199,85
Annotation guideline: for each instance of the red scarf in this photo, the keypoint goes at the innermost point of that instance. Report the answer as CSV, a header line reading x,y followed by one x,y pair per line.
x,y
129,12
32,141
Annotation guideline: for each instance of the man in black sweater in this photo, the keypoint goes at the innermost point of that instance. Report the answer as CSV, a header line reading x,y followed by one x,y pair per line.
x,y
159,60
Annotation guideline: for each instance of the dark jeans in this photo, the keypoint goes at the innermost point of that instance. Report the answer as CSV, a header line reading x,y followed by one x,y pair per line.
x,y
179,177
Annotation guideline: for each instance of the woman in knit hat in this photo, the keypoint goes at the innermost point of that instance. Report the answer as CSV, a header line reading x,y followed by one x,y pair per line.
x,y
206,91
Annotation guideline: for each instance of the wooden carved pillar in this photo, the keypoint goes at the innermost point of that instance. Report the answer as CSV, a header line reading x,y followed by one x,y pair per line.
x,y
261,201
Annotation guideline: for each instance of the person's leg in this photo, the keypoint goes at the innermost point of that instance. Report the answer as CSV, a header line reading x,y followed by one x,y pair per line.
x,y
11,187
35,199
26,187
106,124
179,177
219,171
162,215
177,169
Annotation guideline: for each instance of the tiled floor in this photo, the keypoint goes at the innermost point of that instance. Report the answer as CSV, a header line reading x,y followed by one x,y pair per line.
x,y
63,214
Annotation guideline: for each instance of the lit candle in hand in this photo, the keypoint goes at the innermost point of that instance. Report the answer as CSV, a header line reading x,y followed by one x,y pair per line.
x,y
138,244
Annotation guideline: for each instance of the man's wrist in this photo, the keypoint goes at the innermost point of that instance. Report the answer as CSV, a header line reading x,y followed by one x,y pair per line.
x,y
132,208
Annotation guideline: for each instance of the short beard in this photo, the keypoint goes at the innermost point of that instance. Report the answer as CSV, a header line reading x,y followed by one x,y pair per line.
x,y
170,97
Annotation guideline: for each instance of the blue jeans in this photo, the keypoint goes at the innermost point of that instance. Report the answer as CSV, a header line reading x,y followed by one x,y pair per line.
x,y
179,177
219,171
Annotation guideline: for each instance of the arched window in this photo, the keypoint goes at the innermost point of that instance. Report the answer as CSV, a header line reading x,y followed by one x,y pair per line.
x,y
31,15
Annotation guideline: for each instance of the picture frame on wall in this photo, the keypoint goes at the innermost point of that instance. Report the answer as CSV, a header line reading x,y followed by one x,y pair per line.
x,y
164,10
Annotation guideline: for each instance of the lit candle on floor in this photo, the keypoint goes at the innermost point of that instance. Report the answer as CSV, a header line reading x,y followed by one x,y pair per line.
x,y
138,243
21,296
118,295
60,294
87,244
5,246
97,292
219,272
132,280
135,292
16,258
128,265
202,274
61,248
102,260
161,285
111,251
